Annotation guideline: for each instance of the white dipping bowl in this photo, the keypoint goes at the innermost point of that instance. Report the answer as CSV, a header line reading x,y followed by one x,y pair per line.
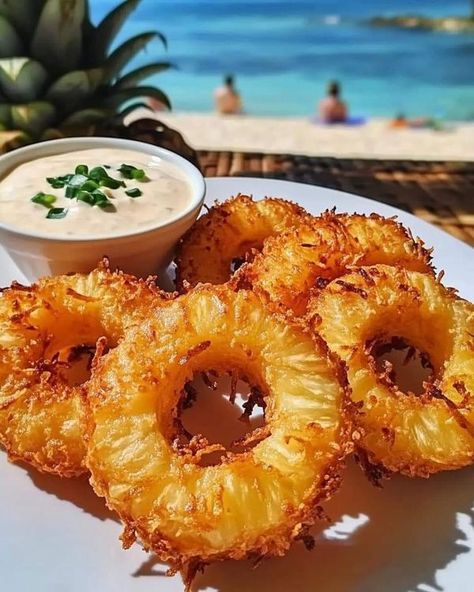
x,y
142,252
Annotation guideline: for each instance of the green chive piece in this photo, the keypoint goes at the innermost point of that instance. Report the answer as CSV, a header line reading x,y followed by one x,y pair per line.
x,y
55,183
86,197
98,173
111,183
44,199
89,186
138,174
82,169
100,199
77,180
56,213
58,182
135,192
131,172
71,191
126,170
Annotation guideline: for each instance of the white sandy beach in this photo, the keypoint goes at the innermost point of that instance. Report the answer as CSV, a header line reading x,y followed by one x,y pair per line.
x,y
296,135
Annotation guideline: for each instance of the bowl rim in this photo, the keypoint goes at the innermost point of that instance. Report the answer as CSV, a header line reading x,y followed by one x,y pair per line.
x,y
40,149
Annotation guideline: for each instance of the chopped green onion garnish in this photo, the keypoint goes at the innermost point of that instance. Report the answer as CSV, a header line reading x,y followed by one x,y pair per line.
x,y
131,172
126,170
93,198
111,183
58,182
71,191
89,186
135,192
86,197
138,174
77,180
98,173
56,213
82,169
55,183
85,185
44,199
99,197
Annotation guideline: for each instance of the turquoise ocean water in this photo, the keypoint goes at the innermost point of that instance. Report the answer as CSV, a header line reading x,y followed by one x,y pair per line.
x,y
283,52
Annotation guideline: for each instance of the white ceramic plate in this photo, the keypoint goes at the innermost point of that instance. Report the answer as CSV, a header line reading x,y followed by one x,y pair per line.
x,y
412,535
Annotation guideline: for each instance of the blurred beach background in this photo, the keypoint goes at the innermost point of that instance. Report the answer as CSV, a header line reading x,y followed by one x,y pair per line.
x,y
284,52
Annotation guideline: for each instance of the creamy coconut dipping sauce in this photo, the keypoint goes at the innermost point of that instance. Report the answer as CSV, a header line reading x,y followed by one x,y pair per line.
x,y
163,194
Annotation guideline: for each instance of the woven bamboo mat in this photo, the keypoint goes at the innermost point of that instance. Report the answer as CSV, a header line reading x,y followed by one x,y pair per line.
x,y
441,193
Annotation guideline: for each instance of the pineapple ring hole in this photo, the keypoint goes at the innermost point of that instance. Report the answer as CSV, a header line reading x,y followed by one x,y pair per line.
x,y
222,409
236,263
400,365
72,363
247,252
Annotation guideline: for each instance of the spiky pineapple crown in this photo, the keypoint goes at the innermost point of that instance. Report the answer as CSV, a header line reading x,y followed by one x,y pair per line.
x,y
57,69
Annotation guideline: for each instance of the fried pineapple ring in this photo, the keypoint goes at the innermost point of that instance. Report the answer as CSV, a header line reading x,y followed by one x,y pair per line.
x,y
40,411
323,248
227,233
256,501
415,435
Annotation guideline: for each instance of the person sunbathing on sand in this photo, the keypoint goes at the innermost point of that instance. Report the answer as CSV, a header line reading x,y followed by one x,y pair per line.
x,y
331,108
227,99
401,122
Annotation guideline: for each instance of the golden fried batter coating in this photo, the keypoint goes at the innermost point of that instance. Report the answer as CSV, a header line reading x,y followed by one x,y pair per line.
x,y
40,411
323,248
412,434
255,502
228,232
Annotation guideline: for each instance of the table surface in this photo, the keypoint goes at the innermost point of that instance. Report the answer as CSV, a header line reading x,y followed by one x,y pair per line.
x,y
441,193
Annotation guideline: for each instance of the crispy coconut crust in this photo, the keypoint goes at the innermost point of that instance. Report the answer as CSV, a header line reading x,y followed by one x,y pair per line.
x,y
228,232
254,503
323,248
40,413
403,432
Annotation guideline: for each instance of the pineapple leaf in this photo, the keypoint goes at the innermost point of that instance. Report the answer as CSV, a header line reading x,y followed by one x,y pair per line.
x,y
108,29
32,118
57,41
132,108
119,58
88,28
10,42
118,118
22,79
5,115
71,89
87,117
22,14
117,98
133,78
